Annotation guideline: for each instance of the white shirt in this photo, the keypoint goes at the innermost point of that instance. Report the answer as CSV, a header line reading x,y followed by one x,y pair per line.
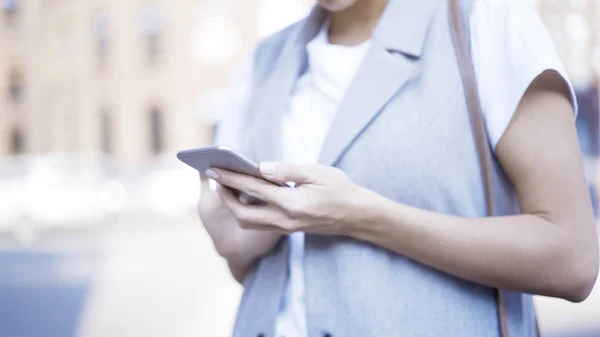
x,y
510,48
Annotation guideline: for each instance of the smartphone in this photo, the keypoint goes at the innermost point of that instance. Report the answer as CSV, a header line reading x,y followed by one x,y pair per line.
x,y
221,157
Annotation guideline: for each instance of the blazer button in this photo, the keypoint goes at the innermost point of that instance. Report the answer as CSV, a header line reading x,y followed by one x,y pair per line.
x,y
327,335
260,335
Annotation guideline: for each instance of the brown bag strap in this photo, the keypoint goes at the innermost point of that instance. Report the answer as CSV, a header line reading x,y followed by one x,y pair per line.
x,y
461,40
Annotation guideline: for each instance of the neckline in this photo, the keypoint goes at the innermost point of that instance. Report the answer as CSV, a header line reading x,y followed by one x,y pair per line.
x,y
322,39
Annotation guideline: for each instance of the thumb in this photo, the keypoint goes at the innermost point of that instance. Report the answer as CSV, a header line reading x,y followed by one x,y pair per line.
x,y
282,173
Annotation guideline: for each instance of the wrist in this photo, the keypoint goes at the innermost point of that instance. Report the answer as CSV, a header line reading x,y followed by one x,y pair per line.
x,y
252,245
367,211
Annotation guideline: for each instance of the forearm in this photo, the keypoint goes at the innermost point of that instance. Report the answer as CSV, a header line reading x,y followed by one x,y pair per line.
x,y
525,253
240,254
240,247
226,235
245,249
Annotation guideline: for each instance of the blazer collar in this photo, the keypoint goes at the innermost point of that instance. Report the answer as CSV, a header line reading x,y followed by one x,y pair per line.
x,y
402,27
404,24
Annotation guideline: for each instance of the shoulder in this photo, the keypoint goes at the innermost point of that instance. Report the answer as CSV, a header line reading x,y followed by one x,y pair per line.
x,y
506,14
268,50
511,47
276,41
511,31
504,6
247,75
264,53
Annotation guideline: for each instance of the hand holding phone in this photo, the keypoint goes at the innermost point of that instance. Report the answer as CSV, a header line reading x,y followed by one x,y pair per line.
x,y
225,158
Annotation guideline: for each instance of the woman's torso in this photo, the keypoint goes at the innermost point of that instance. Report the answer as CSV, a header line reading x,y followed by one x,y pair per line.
x,y
402,130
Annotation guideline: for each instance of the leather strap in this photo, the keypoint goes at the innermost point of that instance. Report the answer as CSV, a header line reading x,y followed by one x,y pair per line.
x,y
461,39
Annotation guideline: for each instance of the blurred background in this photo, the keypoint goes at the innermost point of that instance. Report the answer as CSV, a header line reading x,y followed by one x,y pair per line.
x,y
98,229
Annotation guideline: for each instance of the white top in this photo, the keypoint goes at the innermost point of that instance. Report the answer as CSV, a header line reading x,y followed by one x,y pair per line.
x,y
510,48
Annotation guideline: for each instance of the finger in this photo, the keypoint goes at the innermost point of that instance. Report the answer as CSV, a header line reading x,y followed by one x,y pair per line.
x,y
250,215
299,174
268,228
232,201
228,195
264,218
252,186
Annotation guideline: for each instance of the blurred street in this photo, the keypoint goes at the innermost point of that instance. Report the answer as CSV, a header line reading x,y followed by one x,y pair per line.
x,y
167,281
128,280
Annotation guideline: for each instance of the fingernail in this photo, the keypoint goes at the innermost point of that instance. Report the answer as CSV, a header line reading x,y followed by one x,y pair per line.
x,y
211,174
268,169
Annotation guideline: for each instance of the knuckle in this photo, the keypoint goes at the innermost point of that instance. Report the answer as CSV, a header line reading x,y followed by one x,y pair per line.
x,y
250,190
297,208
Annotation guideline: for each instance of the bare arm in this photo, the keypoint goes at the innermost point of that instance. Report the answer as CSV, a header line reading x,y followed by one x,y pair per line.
x,y
551,249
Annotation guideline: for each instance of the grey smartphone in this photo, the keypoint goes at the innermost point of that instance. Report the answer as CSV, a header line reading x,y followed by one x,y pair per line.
x,y
221,157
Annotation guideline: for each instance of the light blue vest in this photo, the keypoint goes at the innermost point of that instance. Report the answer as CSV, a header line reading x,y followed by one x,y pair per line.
x,y
403,131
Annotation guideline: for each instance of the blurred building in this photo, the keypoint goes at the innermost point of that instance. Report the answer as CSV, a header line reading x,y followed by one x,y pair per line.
x,y
576,33
130,78
134,78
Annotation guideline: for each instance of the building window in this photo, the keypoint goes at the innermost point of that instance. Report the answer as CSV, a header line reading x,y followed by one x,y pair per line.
x,y
11,9
17,144
101,37
106,127
15,85
152,31
156,131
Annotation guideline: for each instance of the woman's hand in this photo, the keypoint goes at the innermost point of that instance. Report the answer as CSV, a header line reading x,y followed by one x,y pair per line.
x,y
324,201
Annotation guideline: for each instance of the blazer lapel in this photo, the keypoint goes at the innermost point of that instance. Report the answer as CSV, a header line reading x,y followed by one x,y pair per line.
x,y
380,76
271,98
389,64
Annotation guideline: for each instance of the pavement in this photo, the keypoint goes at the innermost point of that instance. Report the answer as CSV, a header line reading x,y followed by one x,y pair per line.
x,y
130,280
167,281
43,294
